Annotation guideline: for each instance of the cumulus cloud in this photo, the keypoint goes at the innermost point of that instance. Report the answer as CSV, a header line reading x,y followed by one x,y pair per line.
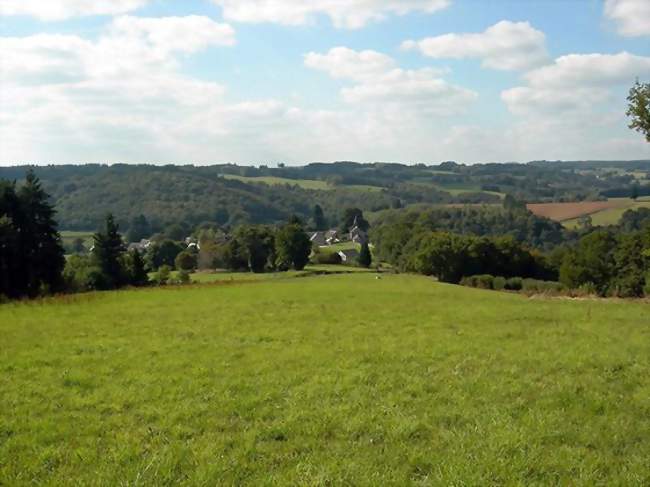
x,y
50,10
504,46
349,14
575,82
382,85
68,92
632,17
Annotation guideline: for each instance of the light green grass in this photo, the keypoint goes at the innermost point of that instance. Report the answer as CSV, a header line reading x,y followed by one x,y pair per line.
x,y
303,183
611,216
340,246
333,380
272,180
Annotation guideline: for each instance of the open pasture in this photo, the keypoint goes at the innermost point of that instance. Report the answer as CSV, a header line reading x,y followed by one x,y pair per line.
x,y
331,380
567,211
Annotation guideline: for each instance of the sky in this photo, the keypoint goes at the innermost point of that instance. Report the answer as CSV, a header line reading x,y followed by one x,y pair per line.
x,y
297,81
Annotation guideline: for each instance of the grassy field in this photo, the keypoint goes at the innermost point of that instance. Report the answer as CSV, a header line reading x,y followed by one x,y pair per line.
x,y
303,183
612,216
330,380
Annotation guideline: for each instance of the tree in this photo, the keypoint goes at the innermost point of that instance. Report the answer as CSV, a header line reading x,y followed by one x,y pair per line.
x,y
139,229
162,253
185,261
257,247
639,108
293,247
136,270
319,218
108,251
365,257
37,255
349,216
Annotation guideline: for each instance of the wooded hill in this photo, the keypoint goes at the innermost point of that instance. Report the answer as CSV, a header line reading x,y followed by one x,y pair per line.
x,y
231,195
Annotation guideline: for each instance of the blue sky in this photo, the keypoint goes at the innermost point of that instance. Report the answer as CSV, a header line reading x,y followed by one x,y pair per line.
x,y
295,81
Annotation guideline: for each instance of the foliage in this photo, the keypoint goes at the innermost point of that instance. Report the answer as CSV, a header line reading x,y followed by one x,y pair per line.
x,y
162,253
639,108
351,215
107,252
139,229
292,247
186,261
31,253
450,257
609,263
318,218
162,276
365,257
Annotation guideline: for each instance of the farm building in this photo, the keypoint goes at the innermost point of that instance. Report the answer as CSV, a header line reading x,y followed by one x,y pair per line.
x,y
318,239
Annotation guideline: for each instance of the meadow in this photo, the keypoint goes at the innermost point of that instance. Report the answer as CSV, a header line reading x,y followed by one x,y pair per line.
x,y
326,380
601,212
302,183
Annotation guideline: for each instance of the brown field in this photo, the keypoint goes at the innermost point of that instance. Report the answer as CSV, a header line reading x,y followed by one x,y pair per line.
x,y
567,211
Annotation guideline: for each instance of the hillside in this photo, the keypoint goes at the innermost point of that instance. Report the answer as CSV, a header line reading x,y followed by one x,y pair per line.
x,y
324,380
228,194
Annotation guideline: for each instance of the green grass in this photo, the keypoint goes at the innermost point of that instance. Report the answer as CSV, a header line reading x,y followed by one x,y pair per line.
x,y
331,380
303,183
272,180
612,216
340,246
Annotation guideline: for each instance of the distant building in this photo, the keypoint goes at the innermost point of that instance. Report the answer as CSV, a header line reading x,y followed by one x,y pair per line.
x,y
318,239
140,246
348,256
332,237
358,235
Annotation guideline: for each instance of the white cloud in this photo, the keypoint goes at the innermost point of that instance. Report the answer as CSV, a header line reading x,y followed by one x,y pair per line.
x,y
576,82
64,9
632,17
382,85
122,94
504,46
349,14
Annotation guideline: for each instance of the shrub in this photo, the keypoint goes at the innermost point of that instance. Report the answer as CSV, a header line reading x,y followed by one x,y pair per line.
x,y
514,284
484,281
183,277
163,275
326,258
186,261
499,283
545,287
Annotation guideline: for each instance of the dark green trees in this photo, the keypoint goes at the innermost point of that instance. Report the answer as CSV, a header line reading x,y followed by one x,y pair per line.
x,y
318,218
139,228
292,247
31,254
365,257
349,217
107,253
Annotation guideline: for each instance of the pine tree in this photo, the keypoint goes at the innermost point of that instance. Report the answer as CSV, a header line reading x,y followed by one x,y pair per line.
x,y
319,218
137,273
108,251
365,257
43,256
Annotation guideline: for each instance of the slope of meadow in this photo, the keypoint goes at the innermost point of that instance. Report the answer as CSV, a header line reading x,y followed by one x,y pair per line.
x,y
324,380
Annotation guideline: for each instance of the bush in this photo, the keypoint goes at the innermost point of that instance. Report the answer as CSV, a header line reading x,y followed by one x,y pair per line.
x,y
514,284
183,277
162,277
484,281
544,287
326,258
499,283
186,261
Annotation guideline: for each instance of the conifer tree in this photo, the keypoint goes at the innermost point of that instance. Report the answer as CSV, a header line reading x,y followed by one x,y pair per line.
x,y
365,257
108,250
